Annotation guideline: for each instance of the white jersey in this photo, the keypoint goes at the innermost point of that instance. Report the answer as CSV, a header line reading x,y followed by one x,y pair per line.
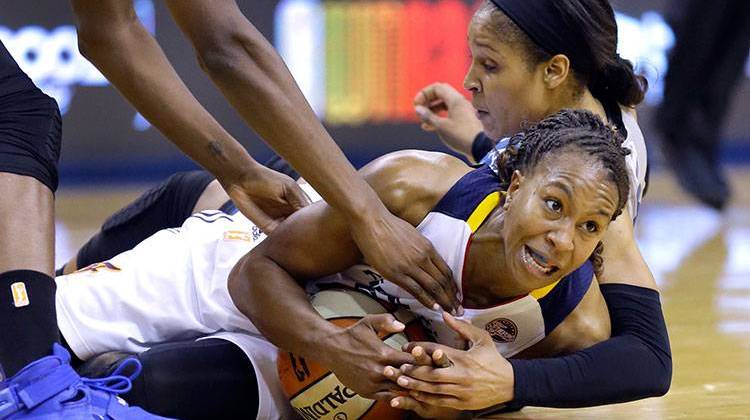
x,y
636,161
173,286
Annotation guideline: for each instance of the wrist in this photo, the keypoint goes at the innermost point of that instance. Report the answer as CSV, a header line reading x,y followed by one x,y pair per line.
x,y
325,342
242,168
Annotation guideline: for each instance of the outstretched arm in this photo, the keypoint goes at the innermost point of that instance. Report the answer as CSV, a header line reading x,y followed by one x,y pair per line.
x,y
257,83
111,36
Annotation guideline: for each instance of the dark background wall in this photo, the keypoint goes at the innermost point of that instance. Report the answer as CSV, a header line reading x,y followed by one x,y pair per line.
x,y
102,145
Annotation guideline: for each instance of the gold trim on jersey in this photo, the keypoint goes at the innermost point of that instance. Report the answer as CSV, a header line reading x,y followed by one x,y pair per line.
x,y
483,210
478,216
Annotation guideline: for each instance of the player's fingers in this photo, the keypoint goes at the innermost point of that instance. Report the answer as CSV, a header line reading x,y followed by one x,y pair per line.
x,y
405,402
256,215
437,400
427,116
440,359
437,289
414,384
421,357
296,197
391,373
383,324
426,95
444,275
429,374
464,329
437,106
427,127
419,293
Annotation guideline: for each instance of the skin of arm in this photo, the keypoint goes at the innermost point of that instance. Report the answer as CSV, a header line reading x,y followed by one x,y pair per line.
x,y
255,80
315,242
111,36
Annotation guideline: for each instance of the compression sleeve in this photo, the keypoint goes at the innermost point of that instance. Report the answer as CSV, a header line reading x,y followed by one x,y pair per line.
x,y
481,146
636,362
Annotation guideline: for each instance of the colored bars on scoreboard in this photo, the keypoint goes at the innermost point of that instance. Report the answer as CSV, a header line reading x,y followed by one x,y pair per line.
x,y
363,61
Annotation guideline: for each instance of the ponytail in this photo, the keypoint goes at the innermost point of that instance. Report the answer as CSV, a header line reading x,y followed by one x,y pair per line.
x,y
618,82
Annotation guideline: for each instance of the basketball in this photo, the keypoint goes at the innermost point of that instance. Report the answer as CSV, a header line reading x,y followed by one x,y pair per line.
x,y
314,391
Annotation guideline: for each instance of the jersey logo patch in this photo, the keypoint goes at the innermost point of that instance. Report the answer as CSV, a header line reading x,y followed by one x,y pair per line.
x,y
238,235
502,330
97,267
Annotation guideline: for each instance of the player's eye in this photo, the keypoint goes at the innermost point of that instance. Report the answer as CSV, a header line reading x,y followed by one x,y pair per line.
x,y
553,205
591,227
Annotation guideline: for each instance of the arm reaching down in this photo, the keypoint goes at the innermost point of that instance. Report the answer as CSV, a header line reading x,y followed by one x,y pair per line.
x,y
255,80
114,40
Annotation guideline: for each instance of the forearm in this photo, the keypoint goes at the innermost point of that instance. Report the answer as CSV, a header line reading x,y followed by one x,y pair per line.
x,y
120,47
255,80
638,355
279,307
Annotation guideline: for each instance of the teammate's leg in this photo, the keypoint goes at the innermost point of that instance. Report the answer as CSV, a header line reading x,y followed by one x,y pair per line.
x,y
37,381
209,378
30,136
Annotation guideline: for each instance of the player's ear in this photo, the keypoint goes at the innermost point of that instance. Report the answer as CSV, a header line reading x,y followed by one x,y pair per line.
x,y
515,183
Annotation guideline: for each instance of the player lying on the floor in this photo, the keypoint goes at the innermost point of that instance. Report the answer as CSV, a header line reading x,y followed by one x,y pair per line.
x,y
174,285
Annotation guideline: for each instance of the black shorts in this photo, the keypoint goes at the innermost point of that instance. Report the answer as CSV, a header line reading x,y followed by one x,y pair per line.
x,y
30,136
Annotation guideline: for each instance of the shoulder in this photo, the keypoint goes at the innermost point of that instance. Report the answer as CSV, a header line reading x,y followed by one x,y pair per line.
x,y
411,182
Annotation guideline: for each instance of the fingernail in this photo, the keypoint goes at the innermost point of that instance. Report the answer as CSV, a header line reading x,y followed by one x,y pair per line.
x,y
460,311
420,110
417,351
454,312
402,381
389,371
436,307
398,324
394,403
405,367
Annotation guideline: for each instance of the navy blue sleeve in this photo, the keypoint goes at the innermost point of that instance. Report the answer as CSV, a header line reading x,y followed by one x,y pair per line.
x,y
635,363
481,146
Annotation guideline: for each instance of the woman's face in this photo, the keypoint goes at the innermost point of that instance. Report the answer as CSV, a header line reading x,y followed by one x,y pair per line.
x,y
506,91
555,217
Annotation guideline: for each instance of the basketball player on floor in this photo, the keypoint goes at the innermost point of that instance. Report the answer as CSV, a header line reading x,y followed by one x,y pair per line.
x,y
203,251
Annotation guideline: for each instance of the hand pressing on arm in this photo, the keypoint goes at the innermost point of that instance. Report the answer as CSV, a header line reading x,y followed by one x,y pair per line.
x,y
265,196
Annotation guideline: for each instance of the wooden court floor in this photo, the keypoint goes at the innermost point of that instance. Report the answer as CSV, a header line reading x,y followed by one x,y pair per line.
x,y
701,260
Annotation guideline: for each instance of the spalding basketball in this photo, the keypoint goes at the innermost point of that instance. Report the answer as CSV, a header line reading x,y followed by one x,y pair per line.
x,y
314,391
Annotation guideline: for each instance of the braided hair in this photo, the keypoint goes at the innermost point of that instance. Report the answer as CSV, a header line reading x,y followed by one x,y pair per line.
x,y
579,130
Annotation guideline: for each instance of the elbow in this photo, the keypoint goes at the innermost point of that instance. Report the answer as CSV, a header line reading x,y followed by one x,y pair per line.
x,y
240,287
222,53
99,37
88,42
660,376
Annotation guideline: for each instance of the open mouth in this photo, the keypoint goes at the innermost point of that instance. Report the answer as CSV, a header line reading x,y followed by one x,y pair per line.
x,y
537,262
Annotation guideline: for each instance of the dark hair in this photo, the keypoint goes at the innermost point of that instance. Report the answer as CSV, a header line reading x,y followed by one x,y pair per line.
x,y
579,129
609,77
